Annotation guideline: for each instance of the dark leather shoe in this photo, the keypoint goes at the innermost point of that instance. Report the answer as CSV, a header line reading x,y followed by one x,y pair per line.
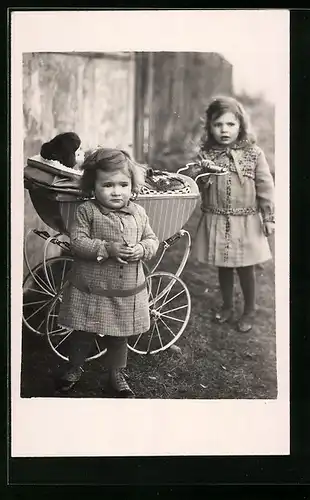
x,y
118,387
223,315
245,323
69,379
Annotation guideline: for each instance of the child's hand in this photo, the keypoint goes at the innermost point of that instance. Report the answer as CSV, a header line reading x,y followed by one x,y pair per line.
x,y
268,228
120,251
137,253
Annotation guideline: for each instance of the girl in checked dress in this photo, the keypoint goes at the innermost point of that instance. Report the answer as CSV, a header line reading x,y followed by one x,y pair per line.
x,y
237,208
107,291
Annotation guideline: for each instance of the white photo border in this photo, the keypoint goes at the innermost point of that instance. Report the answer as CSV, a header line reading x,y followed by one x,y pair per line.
x,y
166,427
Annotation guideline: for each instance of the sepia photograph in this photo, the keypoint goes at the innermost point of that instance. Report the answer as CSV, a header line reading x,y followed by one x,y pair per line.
x,y
212,318
150,179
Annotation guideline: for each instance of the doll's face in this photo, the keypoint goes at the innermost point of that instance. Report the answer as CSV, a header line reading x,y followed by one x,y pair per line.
x,y
79,156
225,129
113,189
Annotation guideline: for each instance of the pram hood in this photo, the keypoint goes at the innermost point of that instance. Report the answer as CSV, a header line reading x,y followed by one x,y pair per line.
x,y
55,179
54,167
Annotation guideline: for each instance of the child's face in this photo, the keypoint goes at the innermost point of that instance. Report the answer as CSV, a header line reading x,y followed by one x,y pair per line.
x,y
113,189
79,156
225,129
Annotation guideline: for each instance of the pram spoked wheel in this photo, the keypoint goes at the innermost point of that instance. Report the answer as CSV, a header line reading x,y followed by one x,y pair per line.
x,y
59,337
170,307
40,286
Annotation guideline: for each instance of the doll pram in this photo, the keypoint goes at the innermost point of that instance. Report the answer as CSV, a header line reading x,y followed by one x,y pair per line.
x,y
169,298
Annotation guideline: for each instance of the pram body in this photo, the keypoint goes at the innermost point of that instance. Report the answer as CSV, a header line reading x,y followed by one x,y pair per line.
x,y
55,196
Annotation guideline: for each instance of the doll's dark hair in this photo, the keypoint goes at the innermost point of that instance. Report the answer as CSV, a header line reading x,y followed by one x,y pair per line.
x,y
62,148
224,104
111,160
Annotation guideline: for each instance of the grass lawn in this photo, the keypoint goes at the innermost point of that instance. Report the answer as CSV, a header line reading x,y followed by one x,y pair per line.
x,y
215,361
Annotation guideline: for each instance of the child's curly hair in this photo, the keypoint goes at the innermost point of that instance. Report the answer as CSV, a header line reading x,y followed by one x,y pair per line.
x,y
224,104
111,160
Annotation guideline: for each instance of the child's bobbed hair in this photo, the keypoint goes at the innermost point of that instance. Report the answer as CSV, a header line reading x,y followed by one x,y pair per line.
x,y
111,160
225,104
62,148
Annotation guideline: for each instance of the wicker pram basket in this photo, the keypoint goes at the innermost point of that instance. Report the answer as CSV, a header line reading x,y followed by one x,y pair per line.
x,y
56,202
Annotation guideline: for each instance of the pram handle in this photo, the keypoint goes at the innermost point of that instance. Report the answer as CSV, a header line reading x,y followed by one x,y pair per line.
x,y
64,245
214,169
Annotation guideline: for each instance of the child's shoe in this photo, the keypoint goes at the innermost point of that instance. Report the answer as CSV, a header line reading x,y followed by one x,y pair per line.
x,y
69,379
118,387
245,323
224,315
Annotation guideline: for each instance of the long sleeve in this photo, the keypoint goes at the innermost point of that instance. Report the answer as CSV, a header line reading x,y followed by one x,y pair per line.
x,y
149,240
82,245
264,188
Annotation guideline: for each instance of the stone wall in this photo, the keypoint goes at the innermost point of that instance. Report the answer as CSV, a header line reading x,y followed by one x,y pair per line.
x,y
91,95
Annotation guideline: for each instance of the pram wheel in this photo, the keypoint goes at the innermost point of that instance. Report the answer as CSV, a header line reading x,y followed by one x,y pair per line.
x,y
170,307
40,287
59,336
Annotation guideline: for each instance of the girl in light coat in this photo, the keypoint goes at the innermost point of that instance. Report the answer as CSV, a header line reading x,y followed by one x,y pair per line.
x,y
237,208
